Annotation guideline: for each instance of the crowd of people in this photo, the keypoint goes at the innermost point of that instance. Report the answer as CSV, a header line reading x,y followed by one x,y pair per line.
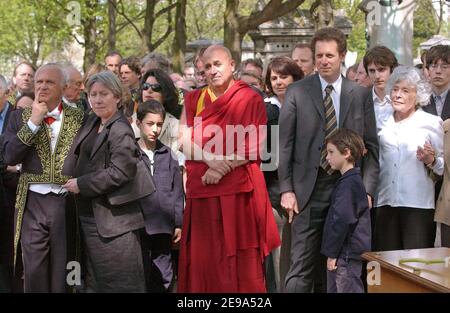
x,y
361,164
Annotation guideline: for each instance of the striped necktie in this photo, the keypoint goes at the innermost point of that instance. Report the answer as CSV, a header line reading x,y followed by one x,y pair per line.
x,y
330,127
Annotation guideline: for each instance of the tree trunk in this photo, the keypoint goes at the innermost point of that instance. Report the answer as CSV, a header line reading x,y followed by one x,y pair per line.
x,y
441,16
148,24
90,35
232,39
112,24
179,43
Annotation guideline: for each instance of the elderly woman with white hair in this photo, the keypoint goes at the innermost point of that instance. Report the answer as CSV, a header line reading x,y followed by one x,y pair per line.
x,y
411,152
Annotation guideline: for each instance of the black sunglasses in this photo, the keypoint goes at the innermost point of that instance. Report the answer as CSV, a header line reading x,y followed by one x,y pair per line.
x,y
154,87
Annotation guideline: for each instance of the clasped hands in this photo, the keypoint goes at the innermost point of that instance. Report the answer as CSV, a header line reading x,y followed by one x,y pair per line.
x,y
427,155
217,169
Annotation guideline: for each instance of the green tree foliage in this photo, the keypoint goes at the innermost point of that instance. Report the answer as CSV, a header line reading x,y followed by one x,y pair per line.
x,y
128,40
425,22
357,38
32,30
37,30
204,19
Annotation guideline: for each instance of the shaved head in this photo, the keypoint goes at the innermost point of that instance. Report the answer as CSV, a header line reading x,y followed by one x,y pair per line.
x,y
219,67
215,48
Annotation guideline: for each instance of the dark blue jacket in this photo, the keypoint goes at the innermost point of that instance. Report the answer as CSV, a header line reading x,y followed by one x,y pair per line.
x,y
163,209
347,231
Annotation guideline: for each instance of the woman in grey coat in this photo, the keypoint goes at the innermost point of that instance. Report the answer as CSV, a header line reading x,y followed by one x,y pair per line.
x,y
107,159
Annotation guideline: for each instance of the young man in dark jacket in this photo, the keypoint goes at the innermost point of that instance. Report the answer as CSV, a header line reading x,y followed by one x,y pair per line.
x,y
163,210
347,231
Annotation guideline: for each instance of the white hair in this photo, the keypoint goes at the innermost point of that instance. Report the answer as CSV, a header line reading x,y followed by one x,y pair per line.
x,y
58,67
415,78
69,69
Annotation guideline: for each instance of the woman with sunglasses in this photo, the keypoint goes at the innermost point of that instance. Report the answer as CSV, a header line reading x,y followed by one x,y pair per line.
x,y
157,85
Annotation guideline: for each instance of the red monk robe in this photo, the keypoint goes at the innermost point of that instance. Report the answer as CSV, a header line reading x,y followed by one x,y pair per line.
x,y
228,228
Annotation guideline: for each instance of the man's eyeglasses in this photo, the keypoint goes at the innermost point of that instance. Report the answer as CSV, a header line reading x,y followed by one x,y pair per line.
x,y
154,87
444,66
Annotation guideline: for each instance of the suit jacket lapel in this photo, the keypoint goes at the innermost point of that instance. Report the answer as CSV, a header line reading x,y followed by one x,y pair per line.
x,y
103,135
431,107
345,100
99,141
315,91
446,109
85,129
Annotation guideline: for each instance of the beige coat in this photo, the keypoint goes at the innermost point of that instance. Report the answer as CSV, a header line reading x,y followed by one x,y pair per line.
x,y
442,214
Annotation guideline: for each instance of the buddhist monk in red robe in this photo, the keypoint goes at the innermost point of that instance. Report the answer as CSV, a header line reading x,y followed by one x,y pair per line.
x,y
228,225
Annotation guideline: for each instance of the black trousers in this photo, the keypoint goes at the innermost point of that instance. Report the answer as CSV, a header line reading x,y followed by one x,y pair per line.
x,y
277,263
399,228
44,243
307,270
158,262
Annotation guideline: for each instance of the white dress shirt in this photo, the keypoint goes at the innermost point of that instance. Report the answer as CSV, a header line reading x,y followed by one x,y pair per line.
x,y
53,131
383,109
72,104
440,103
274,101
403,179
335,94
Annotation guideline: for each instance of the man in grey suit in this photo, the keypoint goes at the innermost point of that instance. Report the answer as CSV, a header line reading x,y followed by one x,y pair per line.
x,y
314,107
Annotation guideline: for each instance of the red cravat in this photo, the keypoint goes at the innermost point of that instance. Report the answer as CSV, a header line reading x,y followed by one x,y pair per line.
x,y
50,119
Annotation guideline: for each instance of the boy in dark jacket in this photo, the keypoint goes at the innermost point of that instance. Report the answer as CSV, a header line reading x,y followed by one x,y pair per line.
x,y
347,231
163,210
